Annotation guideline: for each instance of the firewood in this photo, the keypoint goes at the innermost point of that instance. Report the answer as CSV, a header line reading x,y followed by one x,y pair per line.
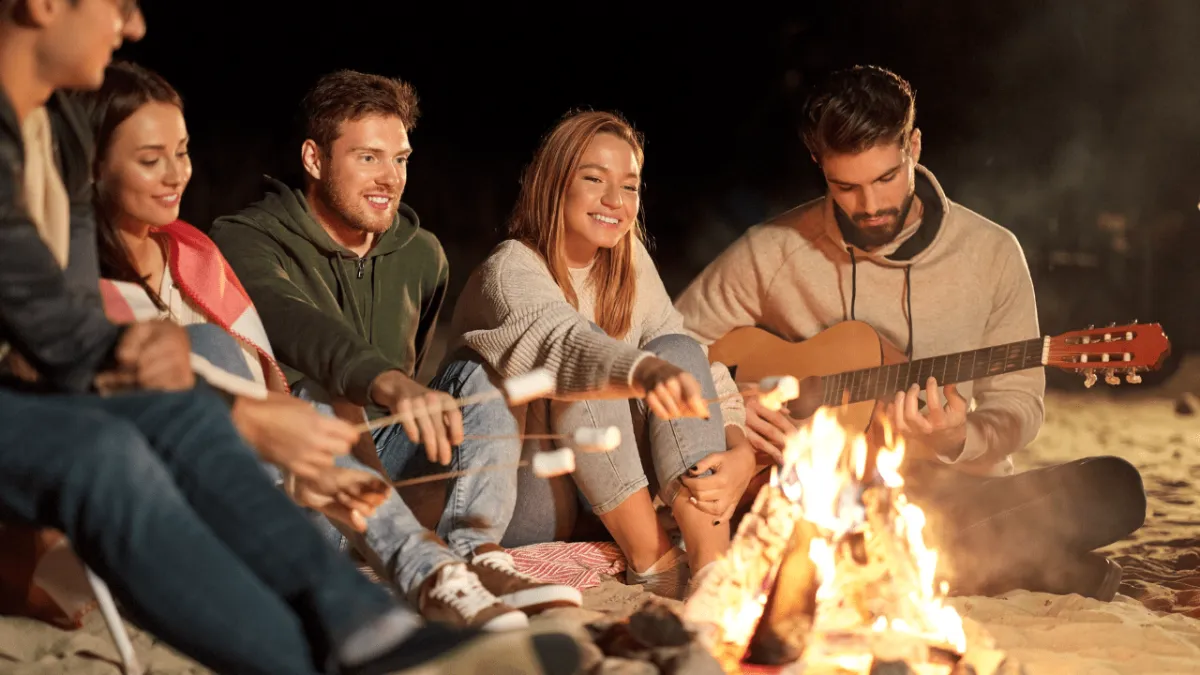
x,y
791,606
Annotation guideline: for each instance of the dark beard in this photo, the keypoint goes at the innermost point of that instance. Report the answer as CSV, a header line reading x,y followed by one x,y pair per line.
x,y
872,238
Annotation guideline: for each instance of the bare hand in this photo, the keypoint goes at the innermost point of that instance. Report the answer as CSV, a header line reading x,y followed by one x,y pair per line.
x,y
941,430
291,434
151,355
767,429
428,416
718,495
670,391
349,496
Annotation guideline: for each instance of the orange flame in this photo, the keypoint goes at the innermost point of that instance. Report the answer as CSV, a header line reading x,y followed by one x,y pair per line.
x,y
811,457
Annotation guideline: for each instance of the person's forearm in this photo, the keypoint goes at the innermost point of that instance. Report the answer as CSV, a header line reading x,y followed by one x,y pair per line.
x,y
247,418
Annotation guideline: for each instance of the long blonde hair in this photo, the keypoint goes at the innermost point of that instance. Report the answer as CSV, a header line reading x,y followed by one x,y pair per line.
x,y
538,220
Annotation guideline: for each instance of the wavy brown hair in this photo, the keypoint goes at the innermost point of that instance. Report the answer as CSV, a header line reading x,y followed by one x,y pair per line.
x,y
538,220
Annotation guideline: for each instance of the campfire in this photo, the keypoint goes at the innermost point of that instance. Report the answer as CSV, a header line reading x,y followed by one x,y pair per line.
x,y
829,571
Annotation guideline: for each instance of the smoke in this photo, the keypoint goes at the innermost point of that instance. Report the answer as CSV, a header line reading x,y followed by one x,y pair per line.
x,y
1094,105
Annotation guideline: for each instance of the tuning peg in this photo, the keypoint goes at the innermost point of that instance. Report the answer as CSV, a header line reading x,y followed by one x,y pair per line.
x,y
1110,378
1091,326
1112,324
1133,322
1089,378
1133,378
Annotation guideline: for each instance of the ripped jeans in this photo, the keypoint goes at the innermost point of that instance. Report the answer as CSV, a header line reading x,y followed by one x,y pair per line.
x,y
653,453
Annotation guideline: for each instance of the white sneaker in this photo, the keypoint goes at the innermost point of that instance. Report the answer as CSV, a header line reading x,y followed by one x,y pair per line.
x,y
498,573
455,596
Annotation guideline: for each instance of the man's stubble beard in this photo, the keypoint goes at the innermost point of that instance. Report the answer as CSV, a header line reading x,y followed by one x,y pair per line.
x,y
358,219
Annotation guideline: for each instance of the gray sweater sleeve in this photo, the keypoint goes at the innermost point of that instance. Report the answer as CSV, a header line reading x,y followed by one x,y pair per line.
x,y
518,319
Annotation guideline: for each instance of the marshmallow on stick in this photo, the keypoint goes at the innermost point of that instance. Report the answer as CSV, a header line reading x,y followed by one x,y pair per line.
x,y
773,392
535,384
596,439
553,463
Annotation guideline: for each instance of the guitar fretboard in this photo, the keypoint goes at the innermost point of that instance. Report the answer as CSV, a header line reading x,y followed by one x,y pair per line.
x,y
882,382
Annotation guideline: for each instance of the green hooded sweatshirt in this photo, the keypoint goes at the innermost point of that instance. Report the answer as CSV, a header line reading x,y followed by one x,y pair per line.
x,y
331,316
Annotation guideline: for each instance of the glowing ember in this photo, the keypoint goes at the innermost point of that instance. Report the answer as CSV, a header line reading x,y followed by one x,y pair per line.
x,y
875,592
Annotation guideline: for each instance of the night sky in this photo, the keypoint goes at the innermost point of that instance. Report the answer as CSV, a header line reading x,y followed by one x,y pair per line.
x,y
1040,115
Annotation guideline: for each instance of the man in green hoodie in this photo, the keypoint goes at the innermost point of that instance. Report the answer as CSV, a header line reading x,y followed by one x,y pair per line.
x,y
349,287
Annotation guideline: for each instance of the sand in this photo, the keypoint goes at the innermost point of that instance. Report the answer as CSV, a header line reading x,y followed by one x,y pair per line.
x,y
1149,628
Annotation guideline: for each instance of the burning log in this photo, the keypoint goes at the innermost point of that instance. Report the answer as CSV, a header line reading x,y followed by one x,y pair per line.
x,y
830,568
727,606
791,606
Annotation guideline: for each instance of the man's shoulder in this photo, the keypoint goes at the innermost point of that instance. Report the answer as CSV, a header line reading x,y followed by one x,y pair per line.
x,y
426,241
798,227
983,232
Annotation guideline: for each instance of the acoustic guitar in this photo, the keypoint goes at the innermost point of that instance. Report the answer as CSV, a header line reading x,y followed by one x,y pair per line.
x,y
850,367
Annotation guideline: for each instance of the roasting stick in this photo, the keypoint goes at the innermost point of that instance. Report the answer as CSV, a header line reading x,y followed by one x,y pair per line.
x,y
583,439
562,460
545,465
535,384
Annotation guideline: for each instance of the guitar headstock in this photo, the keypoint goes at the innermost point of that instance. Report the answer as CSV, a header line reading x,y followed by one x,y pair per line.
x,y
1129,349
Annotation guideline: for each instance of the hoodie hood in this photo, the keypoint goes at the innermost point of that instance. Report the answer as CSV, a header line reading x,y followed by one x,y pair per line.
x,y
912,243
287,206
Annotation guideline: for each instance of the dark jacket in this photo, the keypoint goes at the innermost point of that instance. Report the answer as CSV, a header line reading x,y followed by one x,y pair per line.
x,y
332,316
54,318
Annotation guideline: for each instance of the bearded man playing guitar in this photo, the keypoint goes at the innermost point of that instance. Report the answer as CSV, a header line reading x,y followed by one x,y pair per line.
x,y
886,248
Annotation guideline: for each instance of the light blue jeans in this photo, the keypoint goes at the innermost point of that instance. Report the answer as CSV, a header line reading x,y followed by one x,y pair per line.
x,y
651,450
478,507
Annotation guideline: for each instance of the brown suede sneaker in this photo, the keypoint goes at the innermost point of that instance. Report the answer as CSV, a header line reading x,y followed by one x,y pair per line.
x,y
453,595
494,567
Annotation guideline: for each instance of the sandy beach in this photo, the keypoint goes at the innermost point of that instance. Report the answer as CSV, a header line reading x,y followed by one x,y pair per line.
x,y
1152,627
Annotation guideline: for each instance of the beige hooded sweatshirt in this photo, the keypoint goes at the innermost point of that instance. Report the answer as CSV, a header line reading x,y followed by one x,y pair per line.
x,y
963,278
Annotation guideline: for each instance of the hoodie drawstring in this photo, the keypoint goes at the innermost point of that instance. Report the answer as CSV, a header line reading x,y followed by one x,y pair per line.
x,y
907,294
853,281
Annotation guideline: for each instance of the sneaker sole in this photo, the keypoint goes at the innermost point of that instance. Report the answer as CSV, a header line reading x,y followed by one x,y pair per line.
x,y
533,600
508,621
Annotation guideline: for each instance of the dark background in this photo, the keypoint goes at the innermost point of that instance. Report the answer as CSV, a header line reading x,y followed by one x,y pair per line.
x,y
1074,123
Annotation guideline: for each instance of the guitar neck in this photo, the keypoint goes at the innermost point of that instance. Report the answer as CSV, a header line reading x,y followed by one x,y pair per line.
x,y
882,382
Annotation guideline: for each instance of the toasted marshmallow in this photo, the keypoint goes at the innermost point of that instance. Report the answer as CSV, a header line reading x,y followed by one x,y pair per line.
x,y
775,391
553,463
535,384
596,439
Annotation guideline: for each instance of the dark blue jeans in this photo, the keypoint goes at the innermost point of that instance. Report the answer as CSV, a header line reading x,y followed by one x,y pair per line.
x,y
160,497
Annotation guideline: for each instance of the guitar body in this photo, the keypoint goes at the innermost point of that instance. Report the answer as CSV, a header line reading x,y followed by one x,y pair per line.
x,y
753,353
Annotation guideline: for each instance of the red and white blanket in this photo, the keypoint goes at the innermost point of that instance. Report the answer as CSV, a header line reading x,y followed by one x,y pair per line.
x,y
205,278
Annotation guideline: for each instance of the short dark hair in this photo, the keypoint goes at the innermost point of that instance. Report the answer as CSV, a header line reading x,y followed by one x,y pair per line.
x,y
348,95
856,109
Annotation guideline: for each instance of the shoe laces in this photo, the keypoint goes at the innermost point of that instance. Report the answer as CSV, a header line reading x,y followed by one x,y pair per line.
x,y
461,589
502,561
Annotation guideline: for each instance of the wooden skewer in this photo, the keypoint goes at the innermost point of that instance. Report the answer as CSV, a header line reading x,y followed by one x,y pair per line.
x,y
496,393
458,403
455,474
524,437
